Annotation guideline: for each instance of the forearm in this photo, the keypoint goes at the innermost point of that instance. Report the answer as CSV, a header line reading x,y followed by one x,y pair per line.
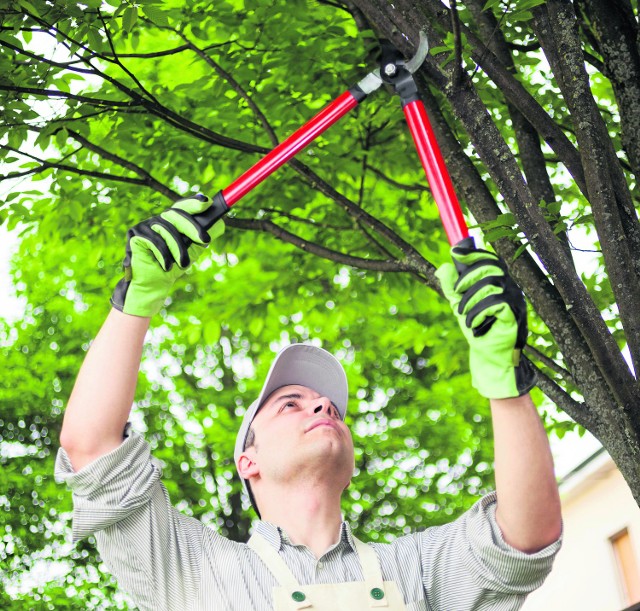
x,y
100,403
528,510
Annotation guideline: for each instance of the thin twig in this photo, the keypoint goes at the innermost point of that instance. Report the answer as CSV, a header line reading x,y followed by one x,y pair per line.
x,y
577,410
398,185
116,59
551,364
53,93
148,179
47,165
457,43
235,86
316,249
306,221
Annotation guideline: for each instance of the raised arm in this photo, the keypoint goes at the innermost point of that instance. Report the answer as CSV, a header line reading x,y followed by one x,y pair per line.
x,y
99,406
528,510
492,314
158,252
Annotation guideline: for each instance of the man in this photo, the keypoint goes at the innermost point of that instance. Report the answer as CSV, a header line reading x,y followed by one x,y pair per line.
x,y
295,456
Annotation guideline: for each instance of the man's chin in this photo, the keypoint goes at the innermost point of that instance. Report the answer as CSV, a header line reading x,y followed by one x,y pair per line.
x,y
330,455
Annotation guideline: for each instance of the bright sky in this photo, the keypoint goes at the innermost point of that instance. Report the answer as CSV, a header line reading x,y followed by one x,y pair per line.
x,y
10,306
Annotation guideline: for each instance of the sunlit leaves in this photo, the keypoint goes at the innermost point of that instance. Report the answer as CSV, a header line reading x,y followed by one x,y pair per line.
x,y
125,134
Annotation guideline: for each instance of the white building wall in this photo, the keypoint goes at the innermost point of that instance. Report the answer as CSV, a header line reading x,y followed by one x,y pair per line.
x,y
597,504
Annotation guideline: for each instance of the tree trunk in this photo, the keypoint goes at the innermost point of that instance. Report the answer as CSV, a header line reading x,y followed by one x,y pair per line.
x,y
596,369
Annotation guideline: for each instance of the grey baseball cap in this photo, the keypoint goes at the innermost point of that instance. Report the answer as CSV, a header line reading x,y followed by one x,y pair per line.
x,y
301,364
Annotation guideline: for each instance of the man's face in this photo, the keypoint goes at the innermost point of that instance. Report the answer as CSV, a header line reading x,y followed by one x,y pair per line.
x,y
300,434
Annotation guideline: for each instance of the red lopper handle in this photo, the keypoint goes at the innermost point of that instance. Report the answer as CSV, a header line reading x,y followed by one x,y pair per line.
x,y
289,147
436,171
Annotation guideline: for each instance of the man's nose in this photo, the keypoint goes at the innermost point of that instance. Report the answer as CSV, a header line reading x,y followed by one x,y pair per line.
x,y
323,404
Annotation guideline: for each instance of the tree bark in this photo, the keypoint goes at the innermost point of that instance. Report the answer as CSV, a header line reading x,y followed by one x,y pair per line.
x,y
612,396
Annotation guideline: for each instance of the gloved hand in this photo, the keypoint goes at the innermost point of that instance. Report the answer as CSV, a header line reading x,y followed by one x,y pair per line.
x,y
159,251
492,314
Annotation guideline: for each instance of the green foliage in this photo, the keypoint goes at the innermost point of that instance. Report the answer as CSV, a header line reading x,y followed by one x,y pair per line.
x,y
197,91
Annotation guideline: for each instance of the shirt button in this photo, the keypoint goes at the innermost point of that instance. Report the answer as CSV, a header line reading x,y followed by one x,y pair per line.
x,y
320,564
298,596
377,593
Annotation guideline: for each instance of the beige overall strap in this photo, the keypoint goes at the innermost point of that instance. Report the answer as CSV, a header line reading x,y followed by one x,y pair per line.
x,y
279,569
376,595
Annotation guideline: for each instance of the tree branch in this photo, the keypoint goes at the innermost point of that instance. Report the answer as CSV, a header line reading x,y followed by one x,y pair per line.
x,y
152,106
521,99
147,178
412,257
366,144
577,410
500,162
457,43
594,61
531,155
164,53
117,61
46,165
306,221
316,249
45,60
235,86
14,175
551,364
53,93
592,138
417,188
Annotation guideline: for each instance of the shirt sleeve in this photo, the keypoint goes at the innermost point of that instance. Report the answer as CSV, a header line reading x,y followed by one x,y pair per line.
x,y
467,564
153,550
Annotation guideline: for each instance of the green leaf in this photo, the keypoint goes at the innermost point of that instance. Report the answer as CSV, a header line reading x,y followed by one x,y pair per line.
x,y
29,7
499,232
11,196
520,250
95,40
439,49
527,5
256,326
62,136
129,18
157,15
554,207
492,4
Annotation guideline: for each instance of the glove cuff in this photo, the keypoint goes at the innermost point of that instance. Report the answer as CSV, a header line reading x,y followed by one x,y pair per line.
x,y
526,376
505,382
119,293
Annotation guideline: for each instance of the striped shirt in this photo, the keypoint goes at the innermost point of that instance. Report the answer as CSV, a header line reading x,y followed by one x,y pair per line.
x,y
167,561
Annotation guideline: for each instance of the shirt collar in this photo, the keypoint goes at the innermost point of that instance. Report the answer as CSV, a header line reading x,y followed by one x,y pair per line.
x,y
278,538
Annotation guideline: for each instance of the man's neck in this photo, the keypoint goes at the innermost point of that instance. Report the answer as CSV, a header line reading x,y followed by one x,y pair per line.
x,y
310,516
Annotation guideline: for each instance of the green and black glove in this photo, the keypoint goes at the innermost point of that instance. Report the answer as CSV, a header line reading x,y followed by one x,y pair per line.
x,y
492,314
159,251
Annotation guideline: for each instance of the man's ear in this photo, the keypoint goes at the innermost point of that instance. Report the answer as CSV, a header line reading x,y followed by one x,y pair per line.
x,y
247,465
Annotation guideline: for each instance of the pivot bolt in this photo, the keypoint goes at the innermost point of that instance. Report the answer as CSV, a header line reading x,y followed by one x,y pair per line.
x,y
390,69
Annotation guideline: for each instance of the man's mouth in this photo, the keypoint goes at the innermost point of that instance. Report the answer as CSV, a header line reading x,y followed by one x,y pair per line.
x,y
321,422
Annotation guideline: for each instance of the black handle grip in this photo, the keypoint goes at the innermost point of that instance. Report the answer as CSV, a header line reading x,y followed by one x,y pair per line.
x,y
213,213
468,243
